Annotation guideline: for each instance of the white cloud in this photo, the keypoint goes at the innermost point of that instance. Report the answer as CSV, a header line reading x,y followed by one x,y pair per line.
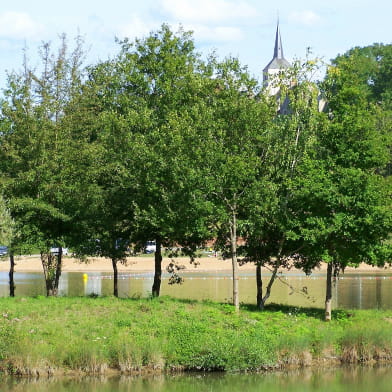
x,y
306,17
208,11
136,28
213,21
214,34
19,25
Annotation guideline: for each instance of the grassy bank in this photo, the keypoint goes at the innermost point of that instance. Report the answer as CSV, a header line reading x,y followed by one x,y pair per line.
x,y
98,335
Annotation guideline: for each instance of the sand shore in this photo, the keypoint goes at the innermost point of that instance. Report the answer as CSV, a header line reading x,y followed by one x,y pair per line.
x,y
146,263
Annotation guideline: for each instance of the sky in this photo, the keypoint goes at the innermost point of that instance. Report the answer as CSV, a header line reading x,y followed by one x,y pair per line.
x,y
239,28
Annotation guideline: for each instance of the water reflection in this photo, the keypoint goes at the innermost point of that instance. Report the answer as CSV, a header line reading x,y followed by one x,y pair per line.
x,y
29,284
360,379
350,291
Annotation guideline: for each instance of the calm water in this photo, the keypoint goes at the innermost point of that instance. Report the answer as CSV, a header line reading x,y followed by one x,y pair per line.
x,y
350,291
358,379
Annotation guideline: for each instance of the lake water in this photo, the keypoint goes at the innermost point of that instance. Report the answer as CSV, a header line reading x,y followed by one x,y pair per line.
x,y
355,291
358,379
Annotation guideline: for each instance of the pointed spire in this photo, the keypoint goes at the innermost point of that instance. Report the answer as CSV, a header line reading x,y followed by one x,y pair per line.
x,y
278,51
278,61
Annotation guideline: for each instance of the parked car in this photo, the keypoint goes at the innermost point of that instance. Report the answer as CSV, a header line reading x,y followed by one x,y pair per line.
x,y
55,251
3,250
150,247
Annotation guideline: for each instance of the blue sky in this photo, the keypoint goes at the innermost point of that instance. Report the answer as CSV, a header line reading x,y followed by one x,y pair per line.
x,y
242,28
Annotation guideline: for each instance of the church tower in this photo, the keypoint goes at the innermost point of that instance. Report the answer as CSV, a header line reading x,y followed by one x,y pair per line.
x,y
277,64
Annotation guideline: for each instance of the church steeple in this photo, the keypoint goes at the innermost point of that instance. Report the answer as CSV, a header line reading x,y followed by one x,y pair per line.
x,y
278,51
277,63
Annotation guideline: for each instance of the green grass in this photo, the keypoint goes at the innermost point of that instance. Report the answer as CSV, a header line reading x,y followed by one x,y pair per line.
x,y
94,335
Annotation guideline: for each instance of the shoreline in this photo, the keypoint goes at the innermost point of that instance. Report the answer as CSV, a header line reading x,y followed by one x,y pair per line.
x,y
301,361
142,264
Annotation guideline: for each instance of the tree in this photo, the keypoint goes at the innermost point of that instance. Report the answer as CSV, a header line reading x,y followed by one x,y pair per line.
x,y
268,232
34,152
230,161
367,68
7,237
157,89
102,135
138,112
330,202
341,199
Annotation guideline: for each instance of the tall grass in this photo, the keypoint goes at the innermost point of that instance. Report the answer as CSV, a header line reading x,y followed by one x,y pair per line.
x,y
96,335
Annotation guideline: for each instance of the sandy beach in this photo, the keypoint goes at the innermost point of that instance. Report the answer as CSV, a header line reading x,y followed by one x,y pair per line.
x,y
146,263
134,264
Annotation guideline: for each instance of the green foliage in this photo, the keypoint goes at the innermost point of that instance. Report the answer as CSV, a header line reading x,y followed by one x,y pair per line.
x,y
341,198
365,68
35,160
7,225
233,135
359,82
142,108
290,136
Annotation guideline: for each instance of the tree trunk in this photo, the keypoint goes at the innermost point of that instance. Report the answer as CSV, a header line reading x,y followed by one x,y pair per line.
x,y
58,269
47,265
260,299
156,287
259,285
270,283
52,271
115,277
233,240
11,275
328,296
277,264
